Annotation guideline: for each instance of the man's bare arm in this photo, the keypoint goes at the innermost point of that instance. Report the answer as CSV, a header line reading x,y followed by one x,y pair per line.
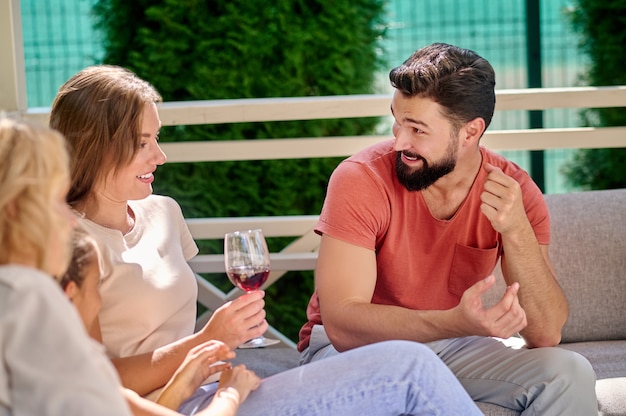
x,y
345,281
524,261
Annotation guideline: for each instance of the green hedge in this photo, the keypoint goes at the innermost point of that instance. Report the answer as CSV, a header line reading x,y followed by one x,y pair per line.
x,y
191,50
602,28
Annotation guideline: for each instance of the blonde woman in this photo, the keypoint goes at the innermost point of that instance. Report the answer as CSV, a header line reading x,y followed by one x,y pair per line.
x,y
49,364
47,367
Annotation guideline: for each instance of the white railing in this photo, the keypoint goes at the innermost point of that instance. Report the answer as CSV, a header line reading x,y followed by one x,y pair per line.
x,y
312,108
301,253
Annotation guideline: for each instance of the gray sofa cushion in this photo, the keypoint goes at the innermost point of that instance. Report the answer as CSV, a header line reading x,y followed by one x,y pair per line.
x,y
608,358
588,250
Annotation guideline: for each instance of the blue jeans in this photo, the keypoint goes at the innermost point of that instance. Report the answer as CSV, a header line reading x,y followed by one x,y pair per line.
x,y
534,382
387,378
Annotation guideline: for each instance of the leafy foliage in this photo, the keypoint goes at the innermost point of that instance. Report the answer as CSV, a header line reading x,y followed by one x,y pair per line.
x,y
602,26
599,168
223,49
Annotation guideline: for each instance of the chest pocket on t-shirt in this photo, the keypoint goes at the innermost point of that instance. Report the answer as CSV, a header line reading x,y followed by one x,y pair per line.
x,y
469,265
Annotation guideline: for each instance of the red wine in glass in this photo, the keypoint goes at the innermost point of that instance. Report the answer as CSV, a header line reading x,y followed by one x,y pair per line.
x,y
248,279
247,263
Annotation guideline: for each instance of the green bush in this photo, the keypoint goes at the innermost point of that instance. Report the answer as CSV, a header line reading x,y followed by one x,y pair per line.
x,y
602,28
192,50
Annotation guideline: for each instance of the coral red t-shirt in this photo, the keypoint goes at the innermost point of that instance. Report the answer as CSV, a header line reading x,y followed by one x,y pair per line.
x,y
423,263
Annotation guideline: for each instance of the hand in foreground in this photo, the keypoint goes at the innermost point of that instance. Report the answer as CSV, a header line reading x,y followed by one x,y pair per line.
x,y
239,379
234,387
502,202
503,320
201,362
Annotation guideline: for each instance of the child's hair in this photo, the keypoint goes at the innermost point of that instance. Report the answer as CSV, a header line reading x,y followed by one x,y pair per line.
x,y
84,253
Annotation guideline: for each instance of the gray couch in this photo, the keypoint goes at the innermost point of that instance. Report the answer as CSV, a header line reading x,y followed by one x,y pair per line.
x,y
588,251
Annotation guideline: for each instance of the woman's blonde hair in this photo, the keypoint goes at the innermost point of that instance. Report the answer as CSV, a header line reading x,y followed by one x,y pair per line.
x,y
34,169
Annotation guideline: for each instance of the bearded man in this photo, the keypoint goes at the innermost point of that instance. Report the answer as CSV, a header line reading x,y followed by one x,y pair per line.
x,y
411,231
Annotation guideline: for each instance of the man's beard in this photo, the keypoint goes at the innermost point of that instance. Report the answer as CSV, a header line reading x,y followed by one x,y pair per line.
x,y
422,178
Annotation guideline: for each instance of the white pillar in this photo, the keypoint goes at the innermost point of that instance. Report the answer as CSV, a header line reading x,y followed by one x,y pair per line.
x,y
12,69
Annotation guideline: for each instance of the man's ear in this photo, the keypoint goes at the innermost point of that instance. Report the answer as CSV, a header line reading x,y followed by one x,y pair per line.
x,y
474,130
71,289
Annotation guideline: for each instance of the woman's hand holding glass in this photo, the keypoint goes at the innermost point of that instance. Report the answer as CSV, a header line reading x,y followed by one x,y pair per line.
x,y
238,320
247,263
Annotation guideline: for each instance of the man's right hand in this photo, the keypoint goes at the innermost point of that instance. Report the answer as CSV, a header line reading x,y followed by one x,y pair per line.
x,y
503,320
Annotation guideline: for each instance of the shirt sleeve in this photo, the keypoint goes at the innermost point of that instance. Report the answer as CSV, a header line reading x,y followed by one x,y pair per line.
x,y
190,248
356,207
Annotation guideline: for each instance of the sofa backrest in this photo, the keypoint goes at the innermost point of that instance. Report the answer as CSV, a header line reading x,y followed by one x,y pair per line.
x,y
588,251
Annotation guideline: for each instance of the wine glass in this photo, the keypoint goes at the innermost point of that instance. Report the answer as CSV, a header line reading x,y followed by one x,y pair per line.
x,y
247,262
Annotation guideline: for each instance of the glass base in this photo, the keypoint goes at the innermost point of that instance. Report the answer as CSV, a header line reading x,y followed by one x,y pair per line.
x,y
259,342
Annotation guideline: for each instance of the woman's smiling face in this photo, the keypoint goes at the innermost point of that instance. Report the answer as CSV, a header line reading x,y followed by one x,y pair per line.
x,y
134,181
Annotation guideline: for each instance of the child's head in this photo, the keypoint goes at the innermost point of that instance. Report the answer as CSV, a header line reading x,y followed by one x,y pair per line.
x,y
82,278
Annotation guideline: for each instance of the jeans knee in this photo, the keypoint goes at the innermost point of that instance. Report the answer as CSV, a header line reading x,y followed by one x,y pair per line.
x,y
398,348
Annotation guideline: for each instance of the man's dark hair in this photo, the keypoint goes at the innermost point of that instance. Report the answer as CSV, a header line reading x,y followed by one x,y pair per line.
x,y
457,79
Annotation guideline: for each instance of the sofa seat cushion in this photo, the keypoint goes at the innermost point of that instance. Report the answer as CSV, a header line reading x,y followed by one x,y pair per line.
x,y
608,358
268,361
495,410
